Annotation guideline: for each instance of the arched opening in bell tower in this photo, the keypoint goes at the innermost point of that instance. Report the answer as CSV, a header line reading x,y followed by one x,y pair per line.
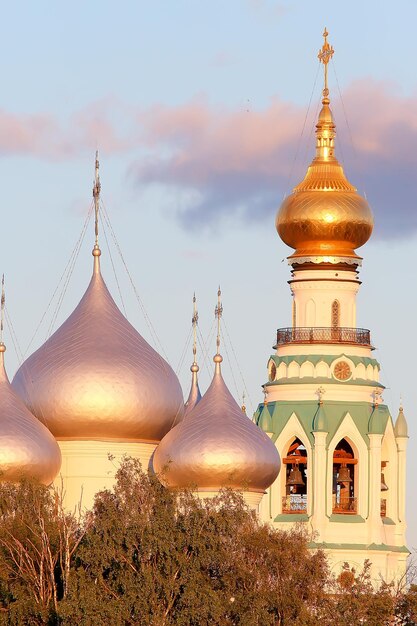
x,y
345,487
296,477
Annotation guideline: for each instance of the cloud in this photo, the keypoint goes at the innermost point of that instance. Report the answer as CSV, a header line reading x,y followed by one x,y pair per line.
x,y
239,163
45,136
221,164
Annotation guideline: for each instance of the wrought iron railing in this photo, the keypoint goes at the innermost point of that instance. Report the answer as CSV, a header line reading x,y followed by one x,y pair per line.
x,y
294,503
383,508
340,334
345,506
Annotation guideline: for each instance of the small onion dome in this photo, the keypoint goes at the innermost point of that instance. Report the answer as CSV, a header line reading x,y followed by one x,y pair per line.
x,y
97,378
27,448
217,446
194,396
325,215
401,427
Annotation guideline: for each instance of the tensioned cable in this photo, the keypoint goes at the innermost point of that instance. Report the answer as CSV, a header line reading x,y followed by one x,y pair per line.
x,y
114,270
224,343
204,345
184,352
312,126
238,367
287,186
355,153
78,243
152,330
68,278
13,336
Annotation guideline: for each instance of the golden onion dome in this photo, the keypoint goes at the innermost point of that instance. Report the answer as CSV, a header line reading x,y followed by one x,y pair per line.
x,y
27,448
217,445
96,377
325,215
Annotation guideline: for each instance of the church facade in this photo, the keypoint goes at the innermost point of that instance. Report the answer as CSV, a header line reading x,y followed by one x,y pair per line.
x,y
343,454
96,391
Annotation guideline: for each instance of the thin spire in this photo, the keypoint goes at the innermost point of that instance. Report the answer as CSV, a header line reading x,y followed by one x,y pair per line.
x,y
325,54
218,311
3,303
194,395
194,323
2,307
325,128
243,407
96,196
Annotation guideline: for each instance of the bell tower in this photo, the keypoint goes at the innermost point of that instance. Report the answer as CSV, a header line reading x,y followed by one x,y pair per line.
x,y
343,456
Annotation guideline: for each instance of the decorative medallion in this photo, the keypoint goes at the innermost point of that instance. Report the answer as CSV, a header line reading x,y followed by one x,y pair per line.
x,y
342,371
272,372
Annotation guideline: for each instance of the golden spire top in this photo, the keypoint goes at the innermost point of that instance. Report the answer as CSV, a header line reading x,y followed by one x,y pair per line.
x,y
243,407
3,304
96,196
325,128
218,312
194,320
325,54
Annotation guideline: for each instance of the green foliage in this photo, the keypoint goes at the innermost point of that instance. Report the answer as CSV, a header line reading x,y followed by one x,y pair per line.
x,y
152,557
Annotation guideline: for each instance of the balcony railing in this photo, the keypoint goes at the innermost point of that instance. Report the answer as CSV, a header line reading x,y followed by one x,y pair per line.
x,y
345,506
340,334
295,503
383,508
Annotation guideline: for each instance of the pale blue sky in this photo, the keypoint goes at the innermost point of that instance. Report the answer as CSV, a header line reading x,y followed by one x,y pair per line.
x,y
195,105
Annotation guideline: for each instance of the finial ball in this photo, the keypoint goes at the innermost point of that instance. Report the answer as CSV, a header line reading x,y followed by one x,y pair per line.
x,y
218,358
2,347
96,251
194,367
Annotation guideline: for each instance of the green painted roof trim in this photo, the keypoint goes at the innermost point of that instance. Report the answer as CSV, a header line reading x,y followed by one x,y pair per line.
x,y
320,422
306,410
296,380
265,419
373,547
327,358
378,420
347,519
292,517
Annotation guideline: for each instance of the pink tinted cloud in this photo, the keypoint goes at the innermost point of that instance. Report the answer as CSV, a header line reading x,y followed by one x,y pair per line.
x,y
45,136
239,162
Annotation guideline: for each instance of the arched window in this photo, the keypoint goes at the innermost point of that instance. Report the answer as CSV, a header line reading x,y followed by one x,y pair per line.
x,y
335,314
295,463
344,479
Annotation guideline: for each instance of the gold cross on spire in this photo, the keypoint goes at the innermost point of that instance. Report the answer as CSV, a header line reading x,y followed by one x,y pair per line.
x,y
194,323
96,195
218,311
3,304
325,54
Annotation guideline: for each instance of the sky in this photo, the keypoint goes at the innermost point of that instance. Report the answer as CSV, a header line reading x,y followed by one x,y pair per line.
x,y
203,112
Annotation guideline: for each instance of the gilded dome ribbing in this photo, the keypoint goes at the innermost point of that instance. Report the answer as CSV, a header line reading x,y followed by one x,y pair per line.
x,y
27,448
325,215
